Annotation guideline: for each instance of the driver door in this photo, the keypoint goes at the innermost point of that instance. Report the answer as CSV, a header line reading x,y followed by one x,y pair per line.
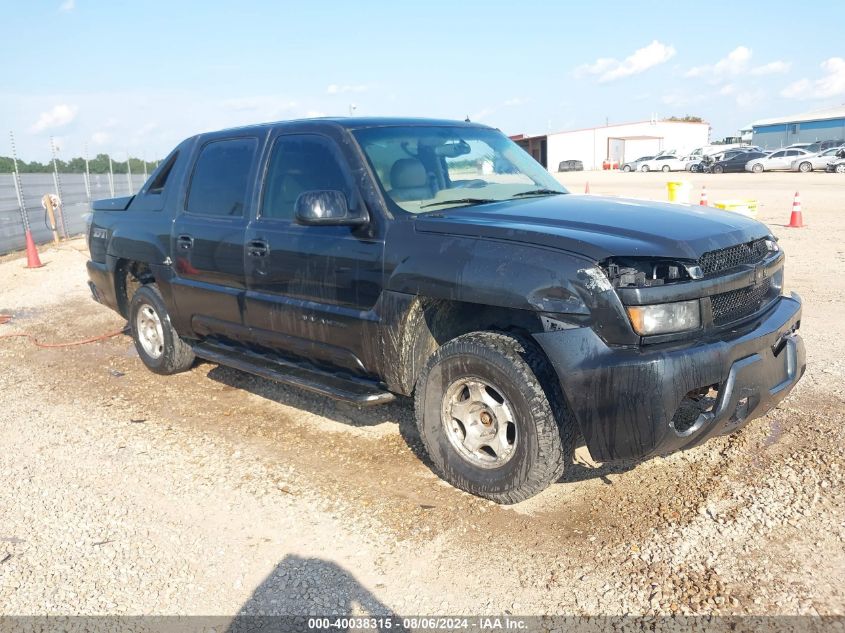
x,y
311,290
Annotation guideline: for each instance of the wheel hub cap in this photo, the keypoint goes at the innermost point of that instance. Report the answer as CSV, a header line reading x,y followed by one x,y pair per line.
x,y
150,333
479,422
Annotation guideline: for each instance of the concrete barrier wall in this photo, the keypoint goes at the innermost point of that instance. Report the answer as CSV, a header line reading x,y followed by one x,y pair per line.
x,y
75,203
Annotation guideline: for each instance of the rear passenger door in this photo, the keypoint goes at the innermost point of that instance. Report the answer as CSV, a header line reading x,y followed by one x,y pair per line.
x,y
312,290
207,240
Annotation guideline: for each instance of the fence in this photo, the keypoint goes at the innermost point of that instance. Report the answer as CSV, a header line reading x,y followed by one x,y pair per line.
x,y
76,202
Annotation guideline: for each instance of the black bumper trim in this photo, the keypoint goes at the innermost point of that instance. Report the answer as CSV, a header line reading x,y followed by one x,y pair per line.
x,y
624,398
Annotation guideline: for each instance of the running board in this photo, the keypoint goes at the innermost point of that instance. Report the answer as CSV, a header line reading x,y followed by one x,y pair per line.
x,y
355,390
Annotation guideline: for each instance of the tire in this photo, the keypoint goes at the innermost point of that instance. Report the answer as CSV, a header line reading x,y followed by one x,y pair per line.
x,y
840,169
159,346
644,168
514,374
805,167
718,169
626,168
665,169
757,168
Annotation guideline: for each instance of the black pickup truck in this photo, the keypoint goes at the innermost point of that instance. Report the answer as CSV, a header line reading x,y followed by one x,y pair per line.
x,y
368,258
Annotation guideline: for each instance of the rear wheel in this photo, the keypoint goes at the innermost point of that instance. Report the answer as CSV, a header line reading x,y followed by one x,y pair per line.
x,y
666,168
805,167
718,169
491,415
626,168
644,168
757,168
158,344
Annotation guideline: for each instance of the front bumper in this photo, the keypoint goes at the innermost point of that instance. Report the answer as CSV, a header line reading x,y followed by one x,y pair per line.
x,y
624,399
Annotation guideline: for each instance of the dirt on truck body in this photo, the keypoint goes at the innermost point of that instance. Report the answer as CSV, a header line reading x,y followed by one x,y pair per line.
x,y
365,258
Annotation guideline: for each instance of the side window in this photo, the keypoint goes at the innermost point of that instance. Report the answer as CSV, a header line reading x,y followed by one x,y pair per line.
x,y
220,180
300,163
793,152
778,155
159,179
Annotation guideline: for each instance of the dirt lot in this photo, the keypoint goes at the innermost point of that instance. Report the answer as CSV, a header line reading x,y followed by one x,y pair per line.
x,y
213,492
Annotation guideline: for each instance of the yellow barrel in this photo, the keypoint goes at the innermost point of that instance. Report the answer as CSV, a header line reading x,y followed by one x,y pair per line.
x,y
745,207
678,191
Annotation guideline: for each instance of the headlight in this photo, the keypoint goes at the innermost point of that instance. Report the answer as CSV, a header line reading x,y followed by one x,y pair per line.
x,y
665,318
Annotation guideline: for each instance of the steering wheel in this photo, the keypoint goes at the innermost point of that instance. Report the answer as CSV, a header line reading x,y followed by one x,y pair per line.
x,y
476,183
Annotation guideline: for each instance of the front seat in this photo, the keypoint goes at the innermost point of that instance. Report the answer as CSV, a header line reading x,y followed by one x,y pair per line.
x,y
409,180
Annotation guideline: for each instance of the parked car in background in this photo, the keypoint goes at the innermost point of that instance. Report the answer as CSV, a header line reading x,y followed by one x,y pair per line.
x,y
665,162
570,165
735,163
781,159
799,146
815,161
634,165
837,166
820,146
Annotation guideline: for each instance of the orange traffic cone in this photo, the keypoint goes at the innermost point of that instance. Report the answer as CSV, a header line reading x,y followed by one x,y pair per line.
x,y
32,259
587,188
703,201
796,220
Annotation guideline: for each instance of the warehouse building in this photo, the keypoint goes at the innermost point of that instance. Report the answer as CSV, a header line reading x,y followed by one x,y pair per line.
x,y
821,125
617,143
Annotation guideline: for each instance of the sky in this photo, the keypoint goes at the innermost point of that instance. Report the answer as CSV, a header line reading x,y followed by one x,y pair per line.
x,y
120,76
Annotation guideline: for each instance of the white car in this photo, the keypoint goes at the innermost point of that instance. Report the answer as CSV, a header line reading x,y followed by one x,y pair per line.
x,y
665,162
781,159
815,161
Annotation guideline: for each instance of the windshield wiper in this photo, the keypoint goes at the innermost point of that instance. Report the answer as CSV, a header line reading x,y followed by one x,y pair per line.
x,y
459,201
538,192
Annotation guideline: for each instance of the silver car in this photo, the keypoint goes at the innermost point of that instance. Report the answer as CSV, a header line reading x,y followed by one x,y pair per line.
x,y
815,161
781,159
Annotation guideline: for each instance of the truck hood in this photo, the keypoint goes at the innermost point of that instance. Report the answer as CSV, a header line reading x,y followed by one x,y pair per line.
x,y
599,227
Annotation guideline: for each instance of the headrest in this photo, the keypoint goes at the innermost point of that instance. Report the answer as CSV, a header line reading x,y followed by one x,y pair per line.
x,y
407,173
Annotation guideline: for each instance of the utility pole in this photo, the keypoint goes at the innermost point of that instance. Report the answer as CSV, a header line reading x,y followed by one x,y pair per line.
x,y
87,176
58,183
128,173
111,177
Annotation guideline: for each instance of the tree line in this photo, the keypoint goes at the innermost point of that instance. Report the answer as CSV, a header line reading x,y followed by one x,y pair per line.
x,y
97,165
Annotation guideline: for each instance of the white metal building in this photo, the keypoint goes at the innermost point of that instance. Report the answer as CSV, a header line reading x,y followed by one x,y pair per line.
x,y
615,143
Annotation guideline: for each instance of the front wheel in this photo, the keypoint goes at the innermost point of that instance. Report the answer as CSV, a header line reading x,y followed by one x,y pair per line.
x,y
156,341
626,168
757,169
666,168
805,167
491,415
718,169
644,168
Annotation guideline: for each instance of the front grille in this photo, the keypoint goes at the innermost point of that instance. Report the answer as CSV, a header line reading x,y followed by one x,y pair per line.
x,y
719,261
735,304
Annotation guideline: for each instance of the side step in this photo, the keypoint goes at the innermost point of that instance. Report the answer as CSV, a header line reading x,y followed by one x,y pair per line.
x,y
355,390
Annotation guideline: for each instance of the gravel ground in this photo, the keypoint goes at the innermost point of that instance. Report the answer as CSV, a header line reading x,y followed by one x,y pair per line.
x,y
214,492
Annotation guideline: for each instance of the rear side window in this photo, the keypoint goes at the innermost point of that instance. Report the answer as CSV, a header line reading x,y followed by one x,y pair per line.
x,y
300,163
220,180
159,179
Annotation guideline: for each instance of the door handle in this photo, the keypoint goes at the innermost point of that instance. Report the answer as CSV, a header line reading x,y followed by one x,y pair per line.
x,y
185,242
257,248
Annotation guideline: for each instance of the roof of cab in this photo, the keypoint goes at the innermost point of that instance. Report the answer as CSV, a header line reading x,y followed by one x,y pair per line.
x,y
355,123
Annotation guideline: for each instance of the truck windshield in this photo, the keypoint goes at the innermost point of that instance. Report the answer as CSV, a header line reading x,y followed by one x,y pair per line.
x,y
431,168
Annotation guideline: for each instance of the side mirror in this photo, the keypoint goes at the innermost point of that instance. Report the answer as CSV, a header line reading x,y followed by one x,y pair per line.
x,y
326,207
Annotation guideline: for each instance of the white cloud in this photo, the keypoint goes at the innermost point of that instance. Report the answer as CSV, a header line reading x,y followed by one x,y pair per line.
x,y
337,89
67,5
637,62
832,84
314,114
748,98
515,101
100,138
772,68
727,89
60,115
735,63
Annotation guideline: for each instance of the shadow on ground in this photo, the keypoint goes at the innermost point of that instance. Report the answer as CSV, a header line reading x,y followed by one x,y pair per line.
x,y
299,588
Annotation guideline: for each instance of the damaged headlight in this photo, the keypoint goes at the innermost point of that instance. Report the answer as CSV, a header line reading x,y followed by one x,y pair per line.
x,y
665,318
